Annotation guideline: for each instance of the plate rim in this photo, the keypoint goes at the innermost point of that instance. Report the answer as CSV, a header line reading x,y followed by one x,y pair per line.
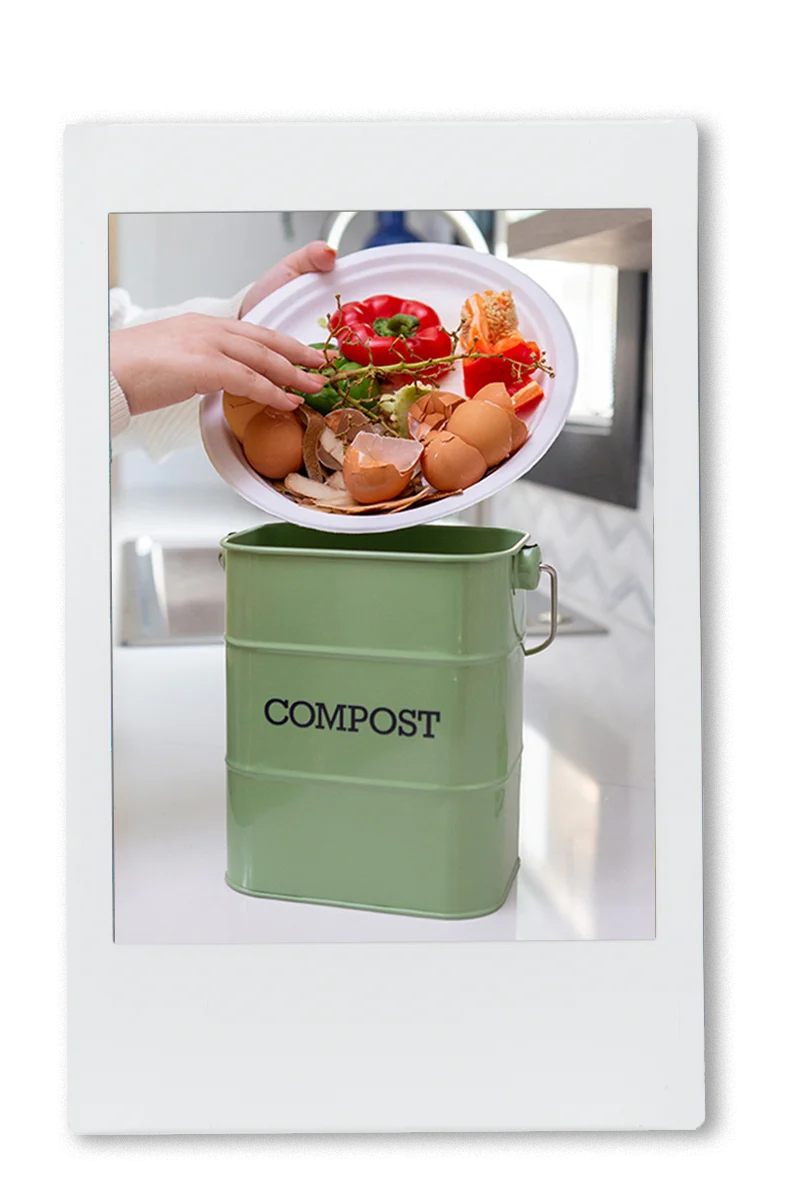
x,y
216,436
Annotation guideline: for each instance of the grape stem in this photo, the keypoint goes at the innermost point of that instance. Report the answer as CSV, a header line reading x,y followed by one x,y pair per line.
x,y
417,368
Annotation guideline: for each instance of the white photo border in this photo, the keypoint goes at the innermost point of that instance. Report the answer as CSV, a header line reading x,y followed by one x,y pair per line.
x,y
407,1037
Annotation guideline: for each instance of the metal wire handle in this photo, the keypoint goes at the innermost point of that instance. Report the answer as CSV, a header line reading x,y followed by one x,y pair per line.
x,y
465,226
554,612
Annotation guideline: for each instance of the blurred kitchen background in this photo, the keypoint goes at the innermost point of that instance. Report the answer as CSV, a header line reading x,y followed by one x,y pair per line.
x,y
588,779
591,497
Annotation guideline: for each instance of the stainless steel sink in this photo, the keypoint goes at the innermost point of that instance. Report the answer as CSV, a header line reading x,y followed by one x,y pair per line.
x,y
174,594
171,594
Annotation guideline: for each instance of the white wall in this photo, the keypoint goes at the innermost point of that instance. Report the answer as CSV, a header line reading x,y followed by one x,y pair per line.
x,y
166,258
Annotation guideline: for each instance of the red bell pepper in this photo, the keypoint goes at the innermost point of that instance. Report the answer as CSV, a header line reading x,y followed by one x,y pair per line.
x,y
384,330
514,368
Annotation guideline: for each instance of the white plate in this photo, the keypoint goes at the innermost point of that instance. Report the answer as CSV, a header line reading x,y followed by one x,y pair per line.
x,y
441,276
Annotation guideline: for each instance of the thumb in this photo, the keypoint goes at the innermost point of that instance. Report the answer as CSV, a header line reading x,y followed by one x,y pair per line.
x,y
317,256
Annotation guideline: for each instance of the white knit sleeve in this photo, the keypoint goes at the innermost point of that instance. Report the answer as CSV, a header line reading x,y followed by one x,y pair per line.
x,y
208,305
162,433
120,417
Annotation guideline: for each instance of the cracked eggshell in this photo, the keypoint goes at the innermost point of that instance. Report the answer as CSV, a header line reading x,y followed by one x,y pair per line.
x,y
378,468
486,427
495,393
450,464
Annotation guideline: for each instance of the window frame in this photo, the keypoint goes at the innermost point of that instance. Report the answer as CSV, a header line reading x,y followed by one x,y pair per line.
x,y
603,462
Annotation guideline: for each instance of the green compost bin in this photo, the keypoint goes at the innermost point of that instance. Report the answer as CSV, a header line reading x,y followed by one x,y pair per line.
x,y
374,715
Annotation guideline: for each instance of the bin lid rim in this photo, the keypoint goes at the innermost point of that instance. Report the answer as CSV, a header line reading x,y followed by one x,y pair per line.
x,y
523,540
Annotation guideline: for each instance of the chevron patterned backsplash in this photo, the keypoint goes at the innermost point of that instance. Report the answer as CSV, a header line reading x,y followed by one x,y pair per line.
x,y
603,553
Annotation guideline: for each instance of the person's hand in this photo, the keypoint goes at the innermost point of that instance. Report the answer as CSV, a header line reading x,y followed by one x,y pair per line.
x,y
316,257
165,362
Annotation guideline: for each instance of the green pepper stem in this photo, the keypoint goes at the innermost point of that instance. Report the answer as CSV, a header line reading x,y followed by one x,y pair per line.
x,y
398,325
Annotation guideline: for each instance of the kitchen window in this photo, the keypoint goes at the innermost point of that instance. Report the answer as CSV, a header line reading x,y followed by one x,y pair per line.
x,y
587,293
596,265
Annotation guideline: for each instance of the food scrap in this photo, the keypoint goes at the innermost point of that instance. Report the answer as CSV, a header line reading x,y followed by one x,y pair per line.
x,y
381,435
385,331
489,325
379,468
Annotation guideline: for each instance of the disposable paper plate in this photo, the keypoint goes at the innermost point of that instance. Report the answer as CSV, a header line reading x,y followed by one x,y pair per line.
x,y
441,276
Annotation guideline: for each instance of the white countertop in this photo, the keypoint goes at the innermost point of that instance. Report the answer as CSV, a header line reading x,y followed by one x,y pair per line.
x,y
587,795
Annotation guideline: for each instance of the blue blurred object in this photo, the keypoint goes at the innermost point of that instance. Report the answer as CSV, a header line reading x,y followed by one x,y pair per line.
x,y
391,230
485,221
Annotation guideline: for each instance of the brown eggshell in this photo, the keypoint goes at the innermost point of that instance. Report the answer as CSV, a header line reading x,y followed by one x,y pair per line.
x,y
239,411
484,426
431,411
520,432
448,400
495,393
376,469
450,464
345,423
273,443
371,484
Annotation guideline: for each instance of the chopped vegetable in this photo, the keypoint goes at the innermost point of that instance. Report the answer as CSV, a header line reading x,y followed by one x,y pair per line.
x,y
323,401
335,395
384,330
489,326
527,396
398,404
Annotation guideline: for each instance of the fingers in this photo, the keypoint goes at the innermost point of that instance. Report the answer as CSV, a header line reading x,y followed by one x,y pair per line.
x,y
317,256
268,363
242,380
288,347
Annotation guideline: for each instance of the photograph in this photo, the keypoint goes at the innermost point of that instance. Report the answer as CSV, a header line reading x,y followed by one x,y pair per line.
x,y
383,633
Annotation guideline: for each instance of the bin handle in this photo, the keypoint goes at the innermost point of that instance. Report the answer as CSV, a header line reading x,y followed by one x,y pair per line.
x,y
529,586
550,571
